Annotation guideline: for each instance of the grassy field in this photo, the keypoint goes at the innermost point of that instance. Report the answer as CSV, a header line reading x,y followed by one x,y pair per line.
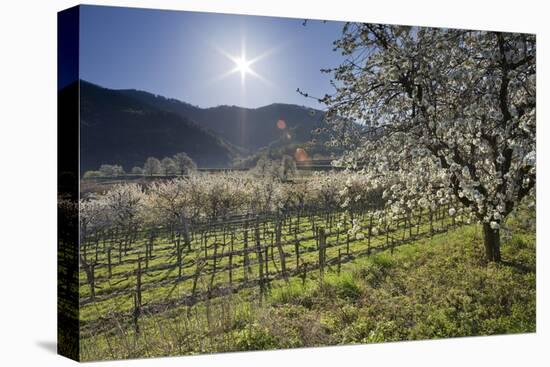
x,y
429,288
163,285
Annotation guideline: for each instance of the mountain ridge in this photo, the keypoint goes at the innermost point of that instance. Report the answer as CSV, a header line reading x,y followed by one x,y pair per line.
x,y
125,126
248,128
119,129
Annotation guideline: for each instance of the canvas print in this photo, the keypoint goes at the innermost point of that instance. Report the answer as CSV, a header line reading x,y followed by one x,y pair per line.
x,y
235,183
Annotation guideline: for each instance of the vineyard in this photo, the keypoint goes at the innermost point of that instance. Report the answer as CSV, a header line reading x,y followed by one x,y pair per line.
x,y
147,250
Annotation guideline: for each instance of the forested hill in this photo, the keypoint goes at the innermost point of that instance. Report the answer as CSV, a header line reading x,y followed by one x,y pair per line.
x,y
119,128
247,128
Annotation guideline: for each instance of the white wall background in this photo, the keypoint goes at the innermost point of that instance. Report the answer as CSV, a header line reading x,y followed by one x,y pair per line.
x,y
28,182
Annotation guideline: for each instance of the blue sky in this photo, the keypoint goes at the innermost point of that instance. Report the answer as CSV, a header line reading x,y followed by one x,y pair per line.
x,y
184,55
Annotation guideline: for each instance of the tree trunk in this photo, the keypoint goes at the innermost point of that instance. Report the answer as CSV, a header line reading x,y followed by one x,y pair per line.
x,y
491,240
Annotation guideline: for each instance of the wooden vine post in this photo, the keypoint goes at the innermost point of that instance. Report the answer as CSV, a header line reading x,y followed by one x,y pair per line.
x,y
89,269
279,245
200,263
186,235
266,263
259,254
296,247
148,249
231,258
214,268
178,256
137,298
322,251
245,252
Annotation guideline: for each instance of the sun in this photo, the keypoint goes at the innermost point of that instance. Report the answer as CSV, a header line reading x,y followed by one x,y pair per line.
x,y
243,66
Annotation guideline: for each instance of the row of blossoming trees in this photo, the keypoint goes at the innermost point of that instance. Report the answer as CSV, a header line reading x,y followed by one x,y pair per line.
x,y
212,198
453,112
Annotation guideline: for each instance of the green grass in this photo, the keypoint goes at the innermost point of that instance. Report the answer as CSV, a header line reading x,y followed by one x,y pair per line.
x,y
431,288
123,279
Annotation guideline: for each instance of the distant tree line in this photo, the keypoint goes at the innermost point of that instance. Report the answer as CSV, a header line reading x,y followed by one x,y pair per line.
x,y
179,164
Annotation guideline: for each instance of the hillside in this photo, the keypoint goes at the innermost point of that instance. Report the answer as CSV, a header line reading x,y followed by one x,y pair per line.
x,y
247,128
117,128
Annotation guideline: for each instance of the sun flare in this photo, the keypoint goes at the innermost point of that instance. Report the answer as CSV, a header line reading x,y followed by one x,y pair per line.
x,y
242,65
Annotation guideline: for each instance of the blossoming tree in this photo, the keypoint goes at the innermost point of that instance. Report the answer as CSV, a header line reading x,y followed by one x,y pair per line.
x,y
448,116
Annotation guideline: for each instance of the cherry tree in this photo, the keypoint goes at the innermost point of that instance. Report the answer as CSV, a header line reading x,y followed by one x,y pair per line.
x,y
184,163
152,166
123,205
446,116
111,170
168,166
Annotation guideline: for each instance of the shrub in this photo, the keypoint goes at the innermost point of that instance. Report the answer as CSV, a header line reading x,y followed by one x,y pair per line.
x,y
92,174
344,286
292,293
255,337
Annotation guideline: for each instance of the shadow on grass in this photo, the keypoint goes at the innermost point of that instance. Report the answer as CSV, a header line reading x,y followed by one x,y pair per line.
x,y
518,266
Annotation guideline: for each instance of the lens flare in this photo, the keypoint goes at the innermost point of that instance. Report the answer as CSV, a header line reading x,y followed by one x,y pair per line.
x,y
301,155
281,124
